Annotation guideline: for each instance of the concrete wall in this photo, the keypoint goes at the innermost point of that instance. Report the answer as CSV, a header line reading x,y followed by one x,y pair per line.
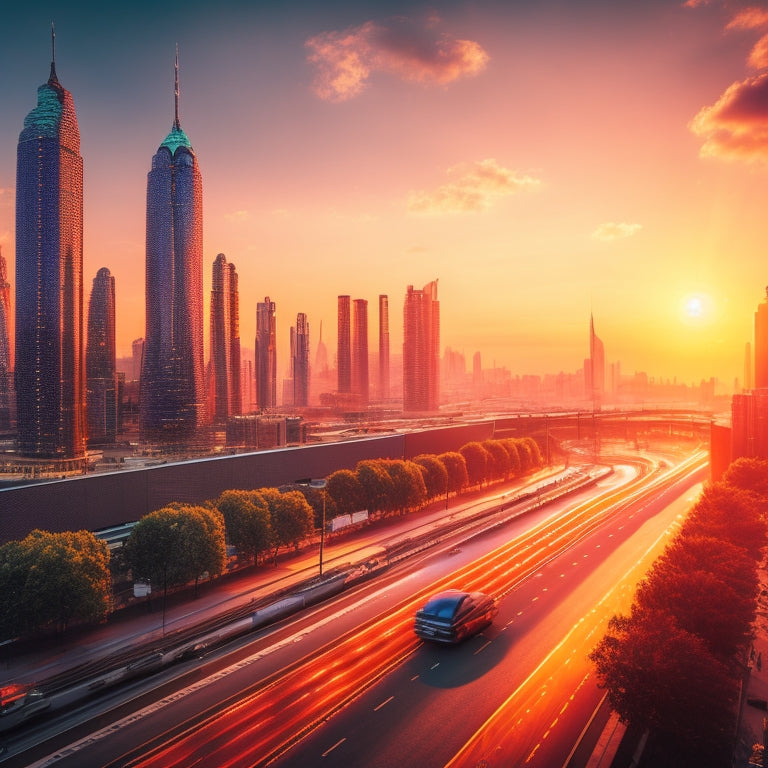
x,y
107,499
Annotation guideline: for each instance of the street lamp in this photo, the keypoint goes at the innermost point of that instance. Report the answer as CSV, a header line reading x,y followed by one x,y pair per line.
x,y
319,485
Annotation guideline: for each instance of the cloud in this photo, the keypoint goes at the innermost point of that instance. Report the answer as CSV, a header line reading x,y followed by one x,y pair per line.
x,y
612,230
758,57
474,187
417,53
736,126
749,18
238,216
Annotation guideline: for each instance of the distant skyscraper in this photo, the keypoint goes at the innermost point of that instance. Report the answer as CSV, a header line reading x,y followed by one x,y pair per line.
x,y
359,367
6,360
101,361
173,394
595,375
225,342
300,361
50,364
761,344
344,346
321,355
266,355
383,347
747,383
421,349
137,352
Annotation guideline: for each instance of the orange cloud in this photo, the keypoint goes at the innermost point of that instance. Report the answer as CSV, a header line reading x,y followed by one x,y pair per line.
x,y
345,60
736,126
758,58
475,187
749,18
612,230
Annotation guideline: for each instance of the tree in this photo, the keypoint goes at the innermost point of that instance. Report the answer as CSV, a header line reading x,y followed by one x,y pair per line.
x,y
247,522
376,485
730,514
176,544
435,475
703,605
456,467
499,464
748,475
510,446
477,459
408,490
662,678
51,579
291,516
344,490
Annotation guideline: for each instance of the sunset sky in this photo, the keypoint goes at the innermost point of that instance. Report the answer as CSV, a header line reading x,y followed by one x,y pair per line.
x,y
542,160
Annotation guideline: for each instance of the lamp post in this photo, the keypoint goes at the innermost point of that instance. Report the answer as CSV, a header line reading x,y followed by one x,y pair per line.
x,y
319,485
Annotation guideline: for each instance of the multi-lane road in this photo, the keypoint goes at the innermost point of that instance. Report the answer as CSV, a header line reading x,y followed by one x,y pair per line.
x,y
349,683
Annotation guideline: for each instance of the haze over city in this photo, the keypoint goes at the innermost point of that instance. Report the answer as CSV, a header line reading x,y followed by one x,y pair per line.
x,y
544,161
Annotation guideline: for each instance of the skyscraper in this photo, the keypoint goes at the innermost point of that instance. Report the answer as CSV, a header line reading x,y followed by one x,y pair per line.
x,y
50,365
300,361
383,347
359,362
101,361
761,344
421,349
266,355
595,373
344,346
6,361
172,410
225,342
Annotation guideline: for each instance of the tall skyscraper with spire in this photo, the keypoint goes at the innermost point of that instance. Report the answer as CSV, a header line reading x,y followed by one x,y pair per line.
x,y
266,355
595,368
173,394
101,361
225,342
760,373
6,359
421,349
50,365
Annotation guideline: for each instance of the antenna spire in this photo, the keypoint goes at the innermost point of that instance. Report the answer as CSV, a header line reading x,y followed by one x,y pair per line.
x,y
53,77
176,123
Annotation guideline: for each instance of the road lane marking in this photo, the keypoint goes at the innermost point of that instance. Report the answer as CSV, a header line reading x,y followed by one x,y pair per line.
x,y
383,704
338,743
482,647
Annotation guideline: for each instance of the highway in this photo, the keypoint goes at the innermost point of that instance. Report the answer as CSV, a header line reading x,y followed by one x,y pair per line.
x,y
559,572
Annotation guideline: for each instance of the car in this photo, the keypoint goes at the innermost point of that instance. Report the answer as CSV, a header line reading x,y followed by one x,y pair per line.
x,y
453,615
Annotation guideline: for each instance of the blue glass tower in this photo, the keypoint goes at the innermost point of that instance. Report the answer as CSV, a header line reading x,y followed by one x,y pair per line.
x,y
50,364
172,411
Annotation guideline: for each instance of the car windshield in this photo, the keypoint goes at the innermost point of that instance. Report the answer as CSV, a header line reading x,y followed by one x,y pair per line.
x,y
443,607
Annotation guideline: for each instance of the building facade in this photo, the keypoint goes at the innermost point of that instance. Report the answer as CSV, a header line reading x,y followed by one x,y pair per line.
x,y
300,361
225,380
421,349
384,389
101,362
266,355
359,362
173,393
6,358
344,346
761,344
50,361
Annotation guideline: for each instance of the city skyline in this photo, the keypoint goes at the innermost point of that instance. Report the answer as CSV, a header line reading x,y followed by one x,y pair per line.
x,y
621,189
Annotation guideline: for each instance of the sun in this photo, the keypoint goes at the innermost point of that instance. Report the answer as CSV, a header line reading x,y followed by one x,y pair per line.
x,y
696,309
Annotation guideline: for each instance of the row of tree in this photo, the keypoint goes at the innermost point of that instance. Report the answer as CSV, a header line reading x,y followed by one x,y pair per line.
x,y
672,666
48,580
